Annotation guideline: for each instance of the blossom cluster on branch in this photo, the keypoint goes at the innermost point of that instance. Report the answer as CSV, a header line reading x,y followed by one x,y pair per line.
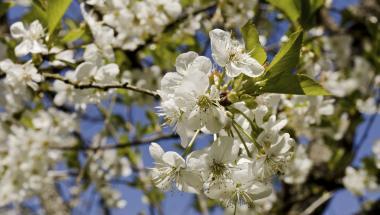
x,y
263,124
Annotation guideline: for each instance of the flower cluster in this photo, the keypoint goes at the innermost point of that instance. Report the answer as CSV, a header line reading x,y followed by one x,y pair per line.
x,y
147,18
249,146
358,181
104,167
93,70
235,14
26,159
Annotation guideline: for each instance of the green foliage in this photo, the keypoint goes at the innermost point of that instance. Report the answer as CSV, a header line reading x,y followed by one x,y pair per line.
x,y
308,11
278,76
55,11
288,56
37,12
252,42
73,35
311,87
299,12
289,8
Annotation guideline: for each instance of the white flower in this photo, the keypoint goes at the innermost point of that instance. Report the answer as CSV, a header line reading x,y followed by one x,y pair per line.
x,y
215,162
240,188
28,160
170,168
274,155
358,181
320,152
188,102
32,38
19,76
368,106
103,35
299,167
62,57
237,13
231,54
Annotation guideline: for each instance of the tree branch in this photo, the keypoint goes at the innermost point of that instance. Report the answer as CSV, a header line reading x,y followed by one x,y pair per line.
x,y
125,85
120,145
320,201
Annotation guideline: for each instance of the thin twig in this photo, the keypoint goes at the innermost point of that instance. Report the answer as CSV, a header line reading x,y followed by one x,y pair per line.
x,y
125,85
120,145
315,205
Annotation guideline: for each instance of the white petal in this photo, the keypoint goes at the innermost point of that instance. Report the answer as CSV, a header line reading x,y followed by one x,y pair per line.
x,y
233,70
23,48
173,159
156,151
18,30
60,98
260,191
36,28
195,120
215,119
67,55
183,134
6,65
224,150
170,81
253,68
260,112
184,60
84,71
38,47
202,64
189,182
220,43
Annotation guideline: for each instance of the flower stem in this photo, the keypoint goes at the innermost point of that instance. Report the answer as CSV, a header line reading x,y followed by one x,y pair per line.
x,y
242,140
187,150
235,209
234,123
253,125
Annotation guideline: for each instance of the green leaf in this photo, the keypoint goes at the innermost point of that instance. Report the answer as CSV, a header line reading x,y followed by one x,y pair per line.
x,y
287,83
308,10
73,35
288,56
289,8
55,11
36,13
310,87
315,5
252,42
279,76
279,69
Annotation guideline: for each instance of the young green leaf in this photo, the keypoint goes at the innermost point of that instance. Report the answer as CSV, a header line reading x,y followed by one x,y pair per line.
x,y
55,11
287,83
36,13
290,9
73,35
288,56
311,87
252,42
